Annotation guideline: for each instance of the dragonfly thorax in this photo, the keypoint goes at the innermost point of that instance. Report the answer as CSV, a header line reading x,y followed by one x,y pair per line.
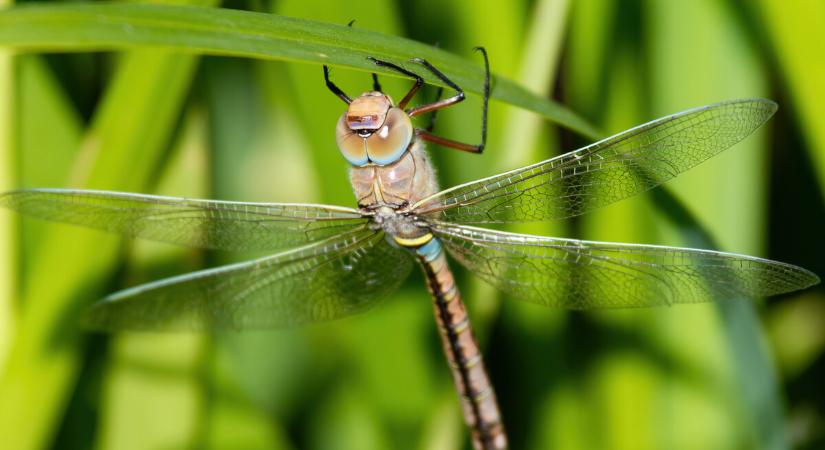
x,y
373,131
398,185
402,228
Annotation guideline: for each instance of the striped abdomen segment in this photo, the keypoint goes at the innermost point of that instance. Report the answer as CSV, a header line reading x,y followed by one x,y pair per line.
x,y
463,354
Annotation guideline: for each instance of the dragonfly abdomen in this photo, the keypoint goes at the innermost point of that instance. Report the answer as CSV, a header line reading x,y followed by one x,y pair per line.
x,y
463,353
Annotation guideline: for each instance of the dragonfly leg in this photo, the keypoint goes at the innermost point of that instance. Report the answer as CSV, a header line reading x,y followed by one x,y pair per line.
x,y
431,124
376,86
418,80
457,98
335,89
470,148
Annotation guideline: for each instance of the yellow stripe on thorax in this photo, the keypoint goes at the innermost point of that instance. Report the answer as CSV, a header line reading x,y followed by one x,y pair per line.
x,y
413,242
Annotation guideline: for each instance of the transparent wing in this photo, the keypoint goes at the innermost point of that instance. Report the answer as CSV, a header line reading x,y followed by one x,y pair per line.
x,y
195,223
618,167
323,281
576,274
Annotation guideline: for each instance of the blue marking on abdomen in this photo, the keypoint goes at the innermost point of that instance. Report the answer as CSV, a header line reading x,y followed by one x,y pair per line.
x,y
430,250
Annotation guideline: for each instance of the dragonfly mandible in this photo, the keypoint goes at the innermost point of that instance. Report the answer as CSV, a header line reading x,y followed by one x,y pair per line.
x,y
331,261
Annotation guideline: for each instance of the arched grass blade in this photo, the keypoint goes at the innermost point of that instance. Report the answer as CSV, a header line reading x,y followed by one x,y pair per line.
x,y
100,26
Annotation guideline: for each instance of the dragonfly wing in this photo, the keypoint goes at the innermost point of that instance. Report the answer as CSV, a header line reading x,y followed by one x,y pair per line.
x,y
196,223
582,275
615,168
334,278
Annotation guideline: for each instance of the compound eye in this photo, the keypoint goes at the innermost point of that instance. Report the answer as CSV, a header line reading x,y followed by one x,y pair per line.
x,y
350,144
388,143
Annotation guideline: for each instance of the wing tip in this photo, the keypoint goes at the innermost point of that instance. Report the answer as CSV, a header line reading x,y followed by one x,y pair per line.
x,y
14,199
9,199
798,279
106,317
92,321
765,106
768,106
812,279
4,200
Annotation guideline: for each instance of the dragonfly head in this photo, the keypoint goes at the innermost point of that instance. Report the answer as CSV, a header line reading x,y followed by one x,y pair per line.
x,y
372,130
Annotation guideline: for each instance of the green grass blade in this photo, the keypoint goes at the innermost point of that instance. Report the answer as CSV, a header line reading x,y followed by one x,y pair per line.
x,y
8,236
90,27
611,377
42,105
248,381
798,38
151,395
525,140
755,373
539,64
725,201
127,139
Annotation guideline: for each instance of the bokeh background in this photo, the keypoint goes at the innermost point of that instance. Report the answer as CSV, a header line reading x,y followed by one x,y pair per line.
x,y
748,375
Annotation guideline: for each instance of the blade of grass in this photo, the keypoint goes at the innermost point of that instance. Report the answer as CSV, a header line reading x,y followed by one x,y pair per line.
x,y
524,140
755,375
539,63
621,222
345,419
235,425
130,132
249,385
604,65
8,232
797,32
152,393
444,430
45,158
524,137
623,375
44,105
721,194
593,34
90,27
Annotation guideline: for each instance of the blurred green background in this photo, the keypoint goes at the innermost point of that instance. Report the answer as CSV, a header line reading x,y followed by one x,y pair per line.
x,y
741,376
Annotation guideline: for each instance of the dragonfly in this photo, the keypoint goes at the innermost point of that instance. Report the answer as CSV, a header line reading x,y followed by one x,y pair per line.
x,y
328,262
